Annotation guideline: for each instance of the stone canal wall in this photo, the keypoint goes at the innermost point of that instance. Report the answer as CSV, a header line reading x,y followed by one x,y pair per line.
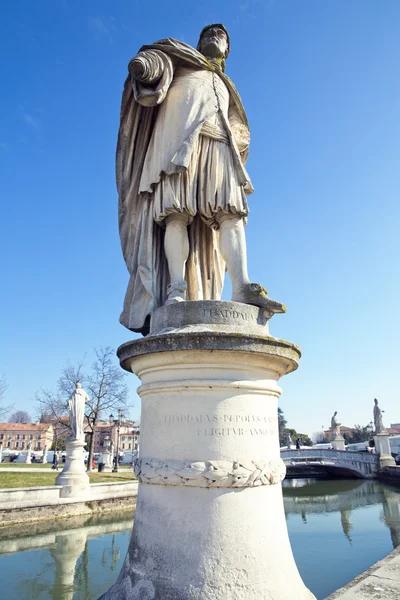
x,y
23,505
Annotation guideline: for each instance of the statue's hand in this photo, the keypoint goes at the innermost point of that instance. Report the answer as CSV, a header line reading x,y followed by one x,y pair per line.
x,y
137,68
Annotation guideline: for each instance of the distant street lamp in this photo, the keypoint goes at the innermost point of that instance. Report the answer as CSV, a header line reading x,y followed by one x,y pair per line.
x,y
117,422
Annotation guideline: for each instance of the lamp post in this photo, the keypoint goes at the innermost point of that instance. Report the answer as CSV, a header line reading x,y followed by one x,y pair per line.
x,y
117,422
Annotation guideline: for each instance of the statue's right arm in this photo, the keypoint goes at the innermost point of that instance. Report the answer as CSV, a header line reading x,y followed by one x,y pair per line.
x,y
147,67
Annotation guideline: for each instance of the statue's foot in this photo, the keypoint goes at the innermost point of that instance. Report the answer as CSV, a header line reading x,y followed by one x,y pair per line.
x,y
255,294
176,292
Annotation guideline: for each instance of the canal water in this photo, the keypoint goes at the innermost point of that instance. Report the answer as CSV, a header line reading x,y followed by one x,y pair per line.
x,y
338,528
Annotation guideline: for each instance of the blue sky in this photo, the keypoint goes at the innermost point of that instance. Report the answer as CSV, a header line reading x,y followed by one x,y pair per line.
x,y
320,84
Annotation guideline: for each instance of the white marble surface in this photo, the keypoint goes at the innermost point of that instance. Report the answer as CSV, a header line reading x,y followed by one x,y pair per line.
x,y
215,529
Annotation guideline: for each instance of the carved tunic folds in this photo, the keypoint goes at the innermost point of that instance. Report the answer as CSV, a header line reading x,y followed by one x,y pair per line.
x,y
195,97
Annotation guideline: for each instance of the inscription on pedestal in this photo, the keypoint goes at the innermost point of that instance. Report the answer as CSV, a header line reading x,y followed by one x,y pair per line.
x,y
214,313
227,424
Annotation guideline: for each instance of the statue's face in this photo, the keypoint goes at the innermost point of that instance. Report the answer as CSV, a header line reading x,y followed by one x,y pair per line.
x,y
214,43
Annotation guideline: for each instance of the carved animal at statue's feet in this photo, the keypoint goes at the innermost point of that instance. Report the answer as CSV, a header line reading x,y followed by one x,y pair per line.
x,y
256,294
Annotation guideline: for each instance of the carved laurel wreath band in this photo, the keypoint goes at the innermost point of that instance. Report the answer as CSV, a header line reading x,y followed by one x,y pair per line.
x,y
210,473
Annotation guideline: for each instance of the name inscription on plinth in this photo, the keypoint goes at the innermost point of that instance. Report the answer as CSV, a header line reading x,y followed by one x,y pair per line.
x,y
227,424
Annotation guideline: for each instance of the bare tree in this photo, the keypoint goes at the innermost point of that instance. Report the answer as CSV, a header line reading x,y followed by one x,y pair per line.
x,y
104,384
19,416
107,391
3,388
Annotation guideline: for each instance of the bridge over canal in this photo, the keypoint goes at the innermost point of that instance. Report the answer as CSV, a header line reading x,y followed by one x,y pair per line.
x,y
314,462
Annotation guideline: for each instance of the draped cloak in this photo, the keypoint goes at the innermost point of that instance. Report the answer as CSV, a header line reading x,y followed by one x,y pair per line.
x,y
142,240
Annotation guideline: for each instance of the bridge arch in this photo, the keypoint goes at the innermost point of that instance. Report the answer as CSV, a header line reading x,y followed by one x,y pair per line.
x,y
319,462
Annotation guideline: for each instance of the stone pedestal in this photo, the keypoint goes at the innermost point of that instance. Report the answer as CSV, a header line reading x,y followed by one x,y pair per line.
x,y
382,447
338,443
73,477
210,523
107,461
28,459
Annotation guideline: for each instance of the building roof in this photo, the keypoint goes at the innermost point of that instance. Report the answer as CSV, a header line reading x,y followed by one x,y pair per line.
x,y
393,430
342,428
25,426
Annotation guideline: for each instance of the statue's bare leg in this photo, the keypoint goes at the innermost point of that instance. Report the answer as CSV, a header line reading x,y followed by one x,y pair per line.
x,y
232,243
176,244
233,249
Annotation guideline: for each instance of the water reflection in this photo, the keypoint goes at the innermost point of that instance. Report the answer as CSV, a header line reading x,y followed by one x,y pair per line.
x,y
311,496
337,529
65,570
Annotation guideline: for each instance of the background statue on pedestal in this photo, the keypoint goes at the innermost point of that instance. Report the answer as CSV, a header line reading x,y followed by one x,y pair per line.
x,y
335,426
77,413
182,182
378,422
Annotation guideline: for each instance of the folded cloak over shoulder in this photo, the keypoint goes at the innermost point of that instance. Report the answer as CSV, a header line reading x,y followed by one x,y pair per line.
x,y
142,240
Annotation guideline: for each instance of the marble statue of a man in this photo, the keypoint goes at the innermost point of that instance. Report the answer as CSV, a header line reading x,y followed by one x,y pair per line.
x,y
378,421
182,182
335,426
77,413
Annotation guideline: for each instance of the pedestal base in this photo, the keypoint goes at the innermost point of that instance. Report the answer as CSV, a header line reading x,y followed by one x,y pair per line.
x,y
73,477
382,447
338,443
209,523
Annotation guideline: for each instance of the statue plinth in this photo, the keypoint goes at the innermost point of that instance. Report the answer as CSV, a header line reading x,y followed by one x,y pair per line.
x,y
73,477
338,443
28,459
382,447
107,461
210,521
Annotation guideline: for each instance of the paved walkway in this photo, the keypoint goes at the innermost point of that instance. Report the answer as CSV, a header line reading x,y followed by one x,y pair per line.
x,y
379,582
25,469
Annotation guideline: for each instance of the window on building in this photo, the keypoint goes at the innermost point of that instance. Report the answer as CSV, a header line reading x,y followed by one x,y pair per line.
x,y
39,437
1,436
22,445
31,436
38,445
9,436
8,444
23,436
16,444
130,446
17,436
123,446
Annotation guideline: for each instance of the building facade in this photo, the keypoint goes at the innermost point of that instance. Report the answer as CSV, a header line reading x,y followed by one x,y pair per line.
x,y
16,436
129,434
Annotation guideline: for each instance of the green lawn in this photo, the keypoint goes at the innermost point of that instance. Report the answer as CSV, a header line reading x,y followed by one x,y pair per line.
x,y
16,480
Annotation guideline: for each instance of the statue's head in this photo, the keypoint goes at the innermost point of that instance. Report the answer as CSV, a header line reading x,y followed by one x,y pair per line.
x,y
335,413
78,385
376,401
214,42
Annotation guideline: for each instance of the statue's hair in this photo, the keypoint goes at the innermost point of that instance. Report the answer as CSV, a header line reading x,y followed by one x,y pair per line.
x,y
223,29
